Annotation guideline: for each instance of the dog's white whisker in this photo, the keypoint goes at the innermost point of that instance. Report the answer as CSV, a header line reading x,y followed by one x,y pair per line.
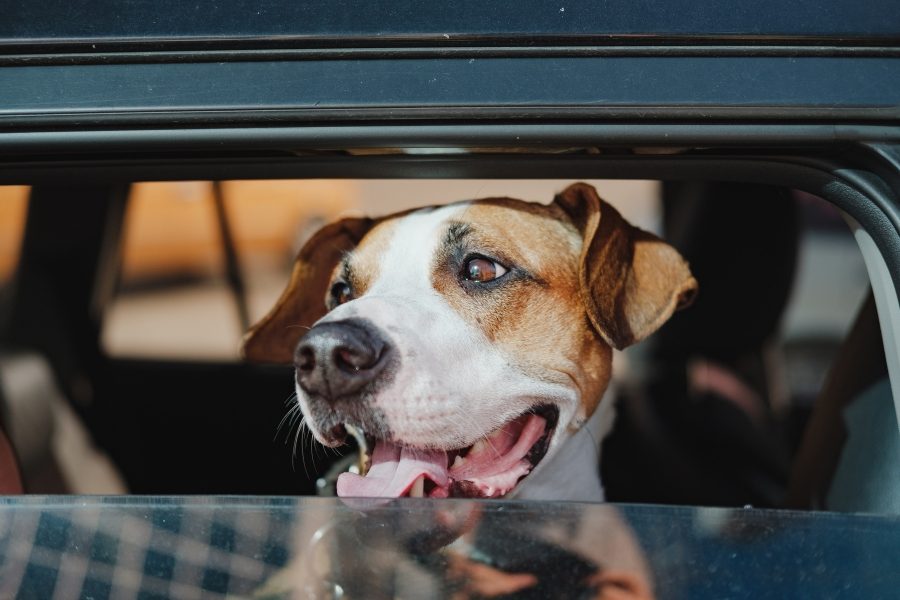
x,y
288,419
297,433
308,438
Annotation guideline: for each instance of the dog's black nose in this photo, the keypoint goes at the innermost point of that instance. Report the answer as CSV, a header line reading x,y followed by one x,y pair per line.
x,y
338,358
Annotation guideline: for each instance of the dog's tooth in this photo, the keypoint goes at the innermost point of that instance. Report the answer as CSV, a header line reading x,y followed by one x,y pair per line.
x,y
458,462
418,487
477,448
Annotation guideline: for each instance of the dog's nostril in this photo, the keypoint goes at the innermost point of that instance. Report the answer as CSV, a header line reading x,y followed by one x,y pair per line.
x,y
345,359
352,359
306,359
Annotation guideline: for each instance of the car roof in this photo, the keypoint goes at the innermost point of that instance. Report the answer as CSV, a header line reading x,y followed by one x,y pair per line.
x,y
108,23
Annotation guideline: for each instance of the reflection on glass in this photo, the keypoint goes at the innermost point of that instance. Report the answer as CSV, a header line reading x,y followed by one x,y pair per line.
x,y
464,549
417,548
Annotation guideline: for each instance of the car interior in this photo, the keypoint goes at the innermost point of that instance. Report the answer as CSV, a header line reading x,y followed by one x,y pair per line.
x,y
124,304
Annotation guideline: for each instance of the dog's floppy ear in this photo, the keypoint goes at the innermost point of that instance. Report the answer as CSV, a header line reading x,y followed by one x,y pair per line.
x,y
631,281
302,303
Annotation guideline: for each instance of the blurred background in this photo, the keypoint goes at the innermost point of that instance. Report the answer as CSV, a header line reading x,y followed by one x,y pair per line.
x,y
198,261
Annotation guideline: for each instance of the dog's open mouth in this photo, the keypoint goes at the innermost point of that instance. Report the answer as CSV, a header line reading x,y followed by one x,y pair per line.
x,y
488,469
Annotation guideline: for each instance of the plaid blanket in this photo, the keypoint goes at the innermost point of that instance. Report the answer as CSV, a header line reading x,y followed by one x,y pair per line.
x,y
140,548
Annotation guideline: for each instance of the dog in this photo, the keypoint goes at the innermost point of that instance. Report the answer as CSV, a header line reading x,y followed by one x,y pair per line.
x,y
470,344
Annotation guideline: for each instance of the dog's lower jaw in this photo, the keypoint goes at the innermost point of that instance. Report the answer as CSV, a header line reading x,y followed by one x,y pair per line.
x,y
572,471
566,475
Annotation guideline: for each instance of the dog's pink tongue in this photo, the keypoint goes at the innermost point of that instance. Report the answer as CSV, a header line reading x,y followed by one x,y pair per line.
x,y
394,469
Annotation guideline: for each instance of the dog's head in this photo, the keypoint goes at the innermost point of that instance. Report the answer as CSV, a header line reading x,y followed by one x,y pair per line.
x,y
466,341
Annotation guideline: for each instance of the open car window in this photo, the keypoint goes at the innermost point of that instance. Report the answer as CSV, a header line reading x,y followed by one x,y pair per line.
x,y
159,172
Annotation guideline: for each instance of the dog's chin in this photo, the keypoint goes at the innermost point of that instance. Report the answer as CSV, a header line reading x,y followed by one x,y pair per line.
x,y
492,467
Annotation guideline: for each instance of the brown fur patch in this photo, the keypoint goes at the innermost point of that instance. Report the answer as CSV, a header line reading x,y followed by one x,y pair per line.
x,y
366,261
302,303
537,318
631,281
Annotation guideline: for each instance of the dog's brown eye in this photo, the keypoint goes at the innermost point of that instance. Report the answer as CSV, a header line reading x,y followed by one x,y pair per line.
x,y
482,270
341,292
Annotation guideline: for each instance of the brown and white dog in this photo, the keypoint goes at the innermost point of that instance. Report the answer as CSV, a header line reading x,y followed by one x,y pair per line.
x,y
471,343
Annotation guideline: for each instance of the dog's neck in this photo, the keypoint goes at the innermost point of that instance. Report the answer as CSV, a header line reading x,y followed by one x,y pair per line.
x,y
573,472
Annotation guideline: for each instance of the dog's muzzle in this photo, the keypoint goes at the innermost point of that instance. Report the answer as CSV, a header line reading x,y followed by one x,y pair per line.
x,y
340,358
